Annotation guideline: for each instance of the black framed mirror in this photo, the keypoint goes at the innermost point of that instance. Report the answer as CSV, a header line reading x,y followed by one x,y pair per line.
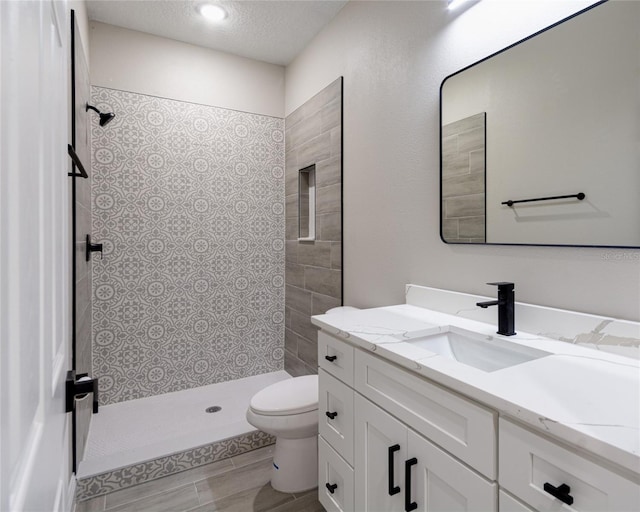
x,y
540,142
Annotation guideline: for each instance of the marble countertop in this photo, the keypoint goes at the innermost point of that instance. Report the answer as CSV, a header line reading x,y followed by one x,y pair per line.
x,y
584,397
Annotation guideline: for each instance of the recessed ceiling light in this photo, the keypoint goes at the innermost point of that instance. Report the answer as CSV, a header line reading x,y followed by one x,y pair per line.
x,y
212,12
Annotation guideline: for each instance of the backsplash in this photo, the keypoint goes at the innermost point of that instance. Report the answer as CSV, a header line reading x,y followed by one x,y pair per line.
x,y
188,201
621,337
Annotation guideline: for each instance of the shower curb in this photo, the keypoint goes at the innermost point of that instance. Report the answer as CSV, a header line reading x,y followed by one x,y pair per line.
x,y
121,478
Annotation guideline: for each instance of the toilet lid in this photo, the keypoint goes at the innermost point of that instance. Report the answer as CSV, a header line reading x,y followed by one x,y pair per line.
x,y
290,396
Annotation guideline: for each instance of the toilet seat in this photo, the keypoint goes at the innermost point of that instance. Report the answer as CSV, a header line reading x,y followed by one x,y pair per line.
x,y
287,397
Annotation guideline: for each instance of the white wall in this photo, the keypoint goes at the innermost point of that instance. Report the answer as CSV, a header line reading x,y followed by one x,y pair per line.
x,y
137,62
82,19
394,56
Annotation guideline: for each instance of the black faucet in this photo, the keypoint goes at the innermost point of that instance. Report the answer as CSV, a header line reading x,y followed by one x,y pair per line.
x,y
506,308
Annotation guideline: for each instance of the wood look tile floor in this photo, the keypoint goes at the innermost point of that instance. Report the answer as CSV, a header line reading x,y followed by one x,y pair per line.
x,y
238,484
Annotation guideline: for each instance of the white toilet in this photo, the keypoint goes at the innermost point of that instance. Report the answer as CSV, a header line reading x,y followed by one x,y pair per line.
x,y
288,410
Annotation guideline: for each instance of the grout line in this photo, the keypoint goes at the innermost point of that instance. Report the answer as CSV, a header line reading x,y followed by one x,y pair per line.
x,y
197,493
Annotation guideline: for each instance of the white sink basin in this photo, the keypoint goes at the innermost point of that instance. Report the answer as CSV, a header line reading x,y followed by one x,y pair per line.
x,y
481,352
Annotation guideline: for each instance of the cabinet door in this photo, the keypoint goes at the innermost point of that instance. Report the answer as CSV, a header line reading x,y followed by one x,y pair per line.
x,y
441,483
379,439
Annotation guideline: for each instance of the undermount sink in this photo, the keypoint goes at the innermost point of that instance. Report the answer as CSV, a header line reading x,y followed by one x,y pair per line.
x,y
481,352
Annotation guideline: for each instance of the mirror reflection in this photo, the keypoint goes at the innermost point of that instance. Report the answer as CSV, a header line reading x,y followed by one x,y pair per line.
x,y
541,142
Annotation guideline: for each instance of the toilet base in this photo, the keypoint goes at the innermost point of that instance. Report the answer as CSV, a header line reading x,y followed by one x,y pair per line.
x,y
295,464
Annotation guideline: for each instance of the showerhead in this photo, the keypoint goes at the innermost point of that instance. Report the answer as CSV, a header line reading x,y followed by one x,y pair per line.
x,y
104,117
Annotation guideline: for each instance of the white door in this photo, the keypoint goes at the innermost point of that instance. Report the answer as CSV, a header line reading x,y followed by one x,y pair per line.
x,y
439,483
34,256
379,438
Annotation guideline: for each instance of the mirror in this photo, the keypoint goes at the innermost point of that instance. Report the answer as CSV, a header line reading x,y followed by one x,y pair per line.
x,y
540,142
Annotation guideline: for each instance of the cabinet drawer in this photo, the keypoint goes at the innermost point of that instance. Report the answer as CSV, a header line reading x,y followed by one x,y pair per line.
x,y
334,471
459,426
528,461
335,409
336,357
509,504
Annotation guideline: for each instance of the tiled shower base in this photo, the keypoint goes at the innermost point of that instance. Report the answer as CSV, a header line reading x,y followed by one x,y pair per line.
x,y
140,440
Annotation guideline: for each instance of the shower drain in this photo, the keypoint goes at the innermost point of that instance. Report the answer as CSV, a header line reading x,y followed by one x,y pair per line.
x,y
213,408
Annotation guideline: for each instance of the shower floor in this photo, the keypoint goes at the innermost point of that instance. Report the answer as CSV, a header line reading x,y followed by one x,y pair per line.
x,y
135,431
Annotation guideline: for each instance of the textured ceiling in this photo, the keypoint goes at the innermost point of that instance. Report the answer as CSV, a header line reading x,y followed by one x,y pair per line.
x,y
273,31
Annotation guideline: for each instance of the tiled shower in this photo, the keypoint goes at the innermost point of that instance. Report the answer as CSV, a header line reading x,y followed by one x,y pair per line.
x,y
189,296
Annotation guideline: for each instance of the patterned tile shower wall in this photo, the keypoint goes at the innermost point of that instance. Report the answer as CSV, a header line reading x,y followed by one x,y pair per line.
x,y
188,201
313,268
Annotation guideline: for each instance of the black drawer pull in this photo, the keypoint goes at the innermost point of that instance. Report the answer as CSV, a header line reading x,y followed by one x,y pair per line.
x,y
331,487
331,359
561,492
331,415
392,489
408,504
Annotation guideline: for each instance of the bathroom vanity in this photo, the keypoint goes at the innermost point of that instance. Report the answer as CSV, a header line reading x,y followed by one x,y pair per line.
x,y
424,407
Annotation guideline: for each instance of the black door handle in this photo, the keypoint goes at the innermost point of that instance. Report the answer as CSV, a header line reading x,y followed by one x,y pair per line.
x,y
78,386
331,359
408,504
331,415
331,487
561,492
392,489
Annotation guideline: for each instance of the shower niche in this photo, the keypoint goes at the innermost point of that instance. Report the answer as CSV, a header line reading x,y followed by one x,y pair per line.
x,y
307,204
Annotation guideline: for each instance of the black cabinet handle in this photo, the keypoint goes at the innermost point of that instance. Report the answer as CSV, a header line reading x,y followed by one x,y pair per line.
x,y
331,487
331,415
392,489
331,359
561,492
408,504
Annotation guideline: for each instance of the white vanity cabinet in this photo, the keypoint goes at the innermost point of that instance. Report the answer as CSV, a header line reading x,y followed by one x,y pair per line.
x,y
372,461
335,424
398,469
392,440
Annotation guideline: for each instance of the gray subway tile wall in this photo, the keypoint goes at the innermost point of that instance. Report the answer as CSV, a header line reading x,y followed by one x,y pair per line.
x,y
313,272
463,180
